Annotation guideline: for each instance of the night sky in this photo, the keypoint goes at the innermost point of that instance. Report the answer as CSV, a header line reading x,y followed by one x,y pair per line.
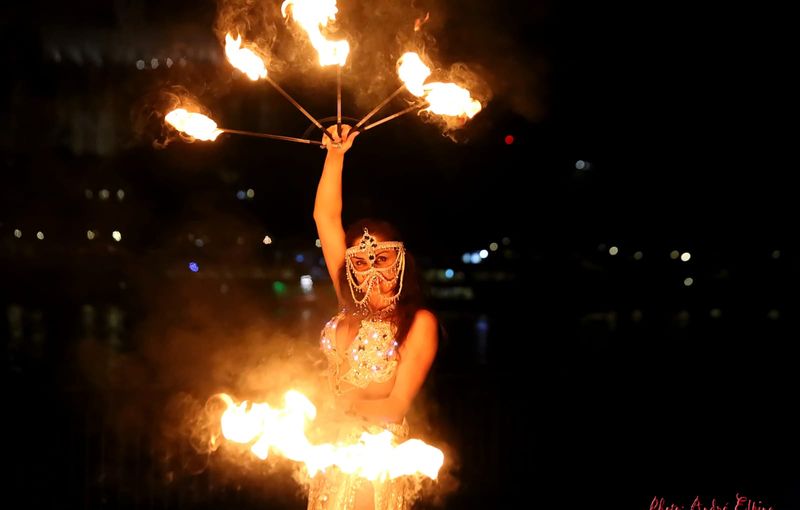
x,y
628,333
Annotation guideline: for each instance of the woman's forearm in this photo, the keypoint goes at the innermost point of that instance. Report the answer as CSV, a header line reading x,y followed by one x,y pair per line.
x,y
382,410
328,203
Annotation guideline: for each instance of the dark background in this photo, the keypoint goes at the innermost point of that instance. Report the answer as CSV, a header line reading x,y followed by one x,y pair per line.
x,y
567,375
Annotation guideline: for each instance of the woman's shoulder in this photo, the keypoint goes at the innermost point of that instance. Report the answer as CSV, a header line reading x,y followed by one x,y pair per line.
x,y
424,325
425,316
422,340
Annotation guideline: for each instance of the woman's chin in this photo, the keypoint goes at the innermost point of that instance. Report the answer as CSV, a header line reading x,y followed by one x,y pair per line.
x,y
379,304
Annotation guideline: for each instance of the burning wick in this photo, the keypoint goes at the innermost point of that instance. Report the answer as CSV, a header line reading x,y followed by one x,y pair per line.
x,y
194,124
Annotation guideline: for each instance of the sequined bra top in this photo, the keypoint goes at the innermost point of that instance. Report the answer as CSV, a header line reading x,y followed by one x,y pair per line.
x,y
372,355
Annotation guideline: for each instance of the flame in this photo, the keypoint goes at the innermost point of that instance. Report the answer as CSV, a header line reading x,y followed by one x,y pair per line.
x,y
373,456
194,124
244,59
443,98
419,22
450,99
413,72
312,15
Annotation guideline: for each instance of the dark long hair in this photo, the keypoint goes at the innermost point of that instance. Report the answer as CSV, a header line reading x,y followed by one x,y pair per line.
x,y
411,298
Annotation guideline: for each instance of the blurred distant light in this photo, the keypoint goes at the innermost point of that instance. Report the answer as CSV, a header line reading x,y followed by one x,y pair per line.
x,y
40,235
509,139
306,283
776,254
251,193
466,258
223,288
140,64
241,194
688,281
120,195
482,324
674,254
580,164
613,250
685,256
182,61
299,258
116,235
267,240
240,240
90,234
318,243
774,315
279,287
483,253
715,313
169,62
88,194
17,233
199,242
154,63
506,241
493,246
638,255
193,267
475,258
104,194
449,273
636,315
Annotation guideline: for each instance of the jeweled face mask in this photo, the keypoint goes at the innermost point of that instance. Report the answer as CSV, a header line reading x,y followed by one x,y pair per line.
x,y
371,265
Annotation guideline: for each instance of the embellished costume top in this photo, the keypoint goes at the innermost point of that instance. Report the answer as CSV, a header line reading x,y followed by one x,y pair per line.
x,y
371,356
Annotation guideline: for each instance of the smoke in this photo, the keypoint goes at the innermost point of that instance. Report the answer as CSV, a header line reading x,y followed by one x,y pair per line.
x,y
191,345
463,44
197,347
380,32
471,44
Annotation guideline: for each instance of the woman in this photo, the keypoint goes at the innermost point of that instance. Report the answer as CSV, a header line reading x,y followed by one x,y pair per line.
x,y
380,346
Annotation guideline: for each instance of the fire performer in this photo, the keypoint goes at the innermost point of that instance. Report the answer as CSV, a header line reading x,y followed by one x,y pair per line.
x,y
381,344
